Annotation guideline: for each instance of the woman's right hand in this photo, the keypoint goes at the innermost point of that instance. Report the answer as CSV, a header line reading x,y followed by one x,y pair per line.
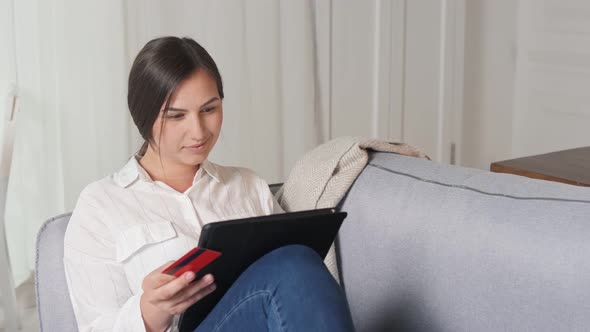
x,y
165,296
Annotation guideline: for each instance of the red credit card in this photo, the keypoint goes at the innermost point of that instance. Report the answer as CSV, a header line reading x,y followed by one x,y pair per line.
x,y
194,260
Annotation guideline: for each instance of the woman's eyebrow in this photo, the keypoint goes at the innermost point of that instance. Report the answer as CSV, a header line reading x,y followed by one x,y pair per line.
x,y
176,109
209,102
202,106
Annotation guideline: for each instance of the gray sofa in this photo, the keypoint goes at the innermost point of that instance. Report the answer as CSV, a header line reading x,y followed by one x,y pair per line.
x,y
430,247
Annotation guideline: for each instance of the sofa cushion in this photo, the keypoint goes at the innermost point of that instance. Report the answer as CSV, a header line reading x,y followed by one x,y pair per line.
x,y
431,247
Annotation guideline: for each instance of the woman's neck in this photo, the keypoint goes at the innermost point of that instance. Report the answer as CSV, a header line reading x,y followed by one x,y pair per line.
x,y
177,176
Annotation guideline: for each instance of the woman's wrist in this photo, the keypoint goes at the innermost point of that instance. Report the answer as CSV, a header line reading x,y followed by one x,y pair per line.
x,y
154,319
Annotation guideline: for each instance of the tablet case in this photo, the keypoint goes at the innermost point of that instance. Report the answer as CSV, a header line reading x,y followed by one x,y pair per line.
x,y
244,241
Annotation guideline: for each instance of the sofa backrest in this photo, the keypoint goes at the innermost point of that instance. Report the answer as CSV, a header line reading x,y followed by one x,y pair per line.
x,y
53,301
431,247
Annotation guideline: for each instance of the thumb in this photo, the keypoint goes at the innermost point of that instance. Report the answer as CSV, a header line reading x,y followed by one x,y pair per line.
x,y
166,265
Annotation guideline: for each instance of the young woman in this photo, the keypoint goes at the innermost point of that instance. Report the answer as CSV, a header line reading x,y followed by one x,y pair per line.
x,y
128,227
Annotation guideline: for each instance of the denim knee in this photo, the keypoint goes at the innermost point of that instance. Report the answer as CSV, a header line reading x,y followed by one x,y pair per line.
x,y
294,254
294,260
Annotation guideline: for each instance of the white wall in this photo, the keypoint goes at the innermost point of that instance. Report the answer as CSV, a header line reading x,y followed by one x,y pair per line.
x,y
552,94
396,70
490,41
526,78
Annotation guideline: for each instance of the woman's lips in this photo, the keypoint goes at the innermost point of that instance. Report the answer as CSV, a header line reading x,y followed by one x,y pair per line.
x,y
196,147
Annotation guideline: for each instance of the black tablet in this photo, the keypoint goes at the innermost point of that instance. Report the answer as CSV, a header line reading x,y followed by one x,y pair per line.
x,y
243,241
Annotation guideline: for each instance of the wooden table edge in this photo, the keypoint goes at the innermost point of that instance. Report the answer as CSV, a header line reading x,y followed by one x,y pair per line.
x,y
499,168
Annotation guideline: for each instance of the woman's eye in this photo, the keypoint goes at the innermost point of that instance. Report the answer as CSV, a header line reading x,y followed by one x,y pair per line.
x,y
207,110
174,116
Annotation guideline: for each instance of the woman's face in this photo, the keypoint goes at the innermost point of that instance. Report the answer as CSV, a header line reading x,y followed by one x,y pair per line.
x,y
192,123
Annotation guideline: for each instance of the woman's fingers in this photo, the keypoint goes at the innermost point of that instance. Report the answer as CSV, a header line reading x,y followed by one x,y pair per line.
x,y
185,304
175,294
193,289
167,291
156,278
163,267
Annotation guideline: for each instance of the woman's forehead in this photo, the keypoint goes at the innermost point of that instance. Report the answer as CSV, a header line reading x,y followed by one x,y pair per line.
x,y
197,90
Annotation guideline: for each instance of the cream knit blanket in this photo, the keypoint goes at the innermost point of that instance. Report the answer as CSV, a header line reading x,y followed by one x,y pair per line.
x,y
323,176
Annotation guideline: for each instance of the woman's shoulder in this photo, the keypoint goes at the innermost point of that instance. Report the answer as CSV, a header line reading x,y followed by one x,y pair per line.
x,y
96,202
98,191
253,188
233,174
113,183
88,229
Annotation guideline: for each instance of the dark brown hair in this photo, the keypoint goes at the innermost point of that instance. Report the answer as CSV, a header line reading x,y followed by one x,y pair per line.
x,y
156,72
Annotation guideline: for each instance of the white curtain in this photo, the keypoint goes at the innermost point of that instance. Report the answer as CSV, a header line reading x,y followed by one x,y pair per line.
x,y
74,128
72,123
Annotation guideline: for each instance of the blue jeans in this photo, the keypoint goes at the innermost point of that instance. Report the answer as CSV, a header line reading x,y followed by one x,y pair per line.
x,y
289,289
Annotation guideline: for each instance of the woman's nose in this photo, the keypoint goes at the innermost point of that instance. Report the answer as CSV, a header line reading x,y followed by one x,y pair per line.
x,y
195,127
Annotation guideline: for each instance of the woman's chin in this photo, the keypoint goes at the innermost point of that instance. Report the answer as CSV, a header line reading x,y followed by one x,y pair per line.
x,y
194,159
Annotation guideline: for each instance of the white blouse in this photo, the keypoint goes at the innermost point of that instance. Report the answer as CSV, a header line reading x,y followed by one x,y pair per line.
x,y
126,225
